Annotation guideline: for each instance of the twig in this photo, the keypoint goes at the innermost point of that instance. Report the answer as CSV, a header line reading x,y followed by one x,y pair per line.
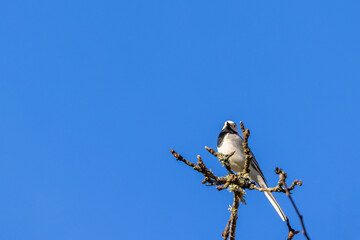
x,y
297,211
234,215
248,156
277,188
292,232
200,167
226,232
223,158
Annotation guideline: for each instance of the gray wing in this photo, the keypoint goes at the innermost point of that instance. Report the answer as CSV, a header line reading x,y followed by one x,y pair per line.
x,y
256,166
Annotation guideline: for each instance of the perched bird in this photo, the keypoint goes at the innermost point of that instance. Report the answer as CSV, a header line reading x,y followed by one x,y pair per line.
x,y
228,141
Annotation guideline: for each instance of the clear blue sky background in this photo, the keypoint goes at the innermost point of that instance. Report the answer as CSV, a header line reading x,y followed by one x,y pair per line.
x,y
94,94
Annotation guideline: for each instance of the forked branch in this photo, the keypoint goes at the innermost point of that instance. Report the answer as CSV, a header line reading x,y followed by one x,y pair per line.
x,y
238,182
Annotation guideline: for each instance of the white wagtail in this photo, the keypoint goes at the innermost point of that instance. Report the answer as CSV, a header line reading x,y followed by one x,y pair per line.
x,y
228,141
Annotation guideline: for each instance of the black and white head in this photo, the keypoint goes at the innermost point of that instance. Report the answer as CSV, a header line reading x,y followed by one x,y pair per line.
x,y
230,126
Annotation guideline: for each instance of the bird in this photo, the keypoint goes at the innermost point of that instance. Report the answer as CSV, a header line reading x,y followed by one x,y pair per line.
x,y
228,141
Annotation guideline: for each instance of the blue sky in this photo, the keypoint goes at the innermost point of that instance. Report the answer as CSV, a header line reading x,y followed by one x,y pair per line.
x,y
94,94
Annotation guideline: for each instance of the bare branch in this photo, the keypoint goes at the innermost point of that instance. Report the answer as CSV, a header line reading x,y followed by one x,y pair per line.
x,y
234,216
226,232
297,211
292,232
223,158
277,188
248,156
236,183
200,167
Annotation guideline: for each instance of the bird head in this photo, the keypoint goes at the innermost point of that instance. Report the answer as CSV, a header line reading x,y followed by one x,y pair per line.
x,y
230,125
